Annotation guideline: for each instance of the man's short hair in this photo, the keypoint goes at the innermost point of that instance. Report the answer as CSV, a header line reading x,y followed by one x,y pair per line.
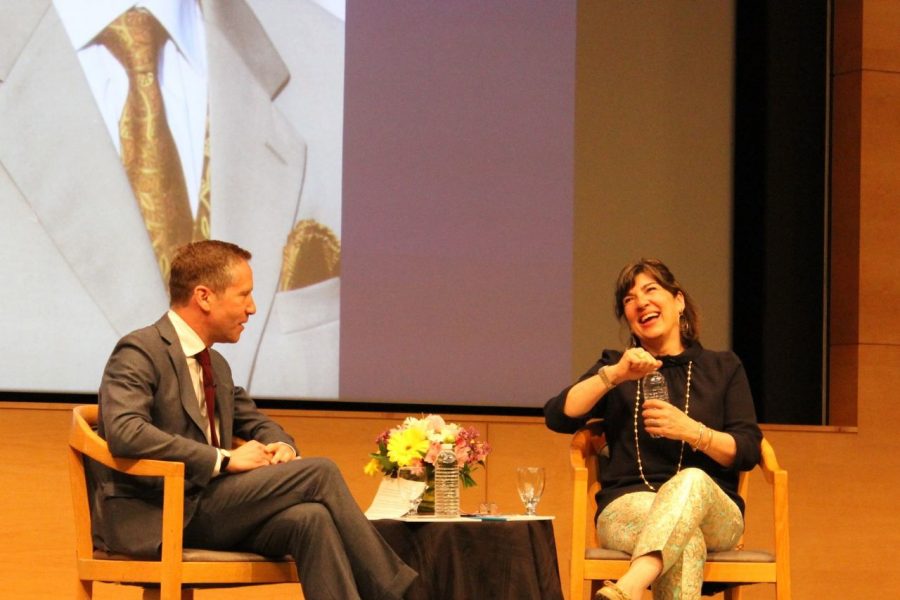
x,y
208,263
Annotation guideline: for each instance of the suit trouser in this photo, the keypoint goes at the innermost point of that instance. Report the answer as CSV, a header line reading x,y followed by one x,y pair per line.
x,y
302,508
687,515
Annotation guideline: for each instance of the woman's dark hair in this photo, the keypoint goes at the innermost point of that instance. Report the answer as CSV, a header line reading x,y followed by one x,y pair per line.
x,y
690,318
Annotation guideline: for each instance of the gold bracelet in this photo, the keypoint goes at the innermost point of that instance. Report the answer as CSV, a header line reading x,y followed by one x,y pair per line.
x,y
708,439
604,378
696,445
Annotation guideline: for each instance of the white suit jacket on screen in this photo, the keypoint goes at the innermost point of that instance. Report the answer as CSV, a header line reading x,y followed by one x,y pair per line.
x,y
77,265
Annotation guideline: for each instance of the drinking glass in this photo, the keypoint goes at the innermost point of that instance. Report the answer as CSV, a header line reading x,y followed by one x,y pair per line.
x,y
530,482
413,481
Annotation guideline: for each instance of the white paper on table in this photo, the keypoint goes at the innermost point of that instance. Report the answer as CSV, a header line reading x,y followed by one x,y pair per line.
x,y
389,501
468,518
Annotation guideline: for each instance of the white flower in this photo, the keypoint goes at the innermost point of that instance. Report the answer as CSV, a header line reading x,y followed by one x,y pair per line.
x,y
449,433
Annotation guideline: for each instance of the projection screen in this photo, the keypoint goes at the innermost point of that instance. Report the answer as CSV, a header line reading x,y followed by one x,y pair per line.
x,y
429,151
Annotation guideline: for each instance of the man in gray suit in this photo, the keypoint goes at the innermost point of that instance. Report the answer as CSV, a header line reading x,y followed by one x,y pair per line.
x,y
156,401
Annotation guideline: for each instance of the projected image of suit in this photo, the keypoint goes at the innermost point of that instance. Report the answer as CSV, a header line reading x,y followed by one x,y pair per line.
x,y
129,128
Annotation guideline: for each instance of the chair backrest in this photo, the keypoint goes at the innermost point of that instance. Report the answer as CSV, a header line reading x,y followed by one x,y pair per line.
x,y
586,454
84,547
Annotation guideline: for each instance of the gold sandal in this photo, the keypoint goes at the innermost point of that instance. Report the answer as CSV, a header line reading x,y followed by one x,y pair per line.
x,y
610,591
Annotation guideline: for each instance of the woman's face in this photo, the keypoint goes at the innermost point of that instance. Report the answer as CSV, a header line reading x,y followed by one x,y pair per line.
x,y
653,315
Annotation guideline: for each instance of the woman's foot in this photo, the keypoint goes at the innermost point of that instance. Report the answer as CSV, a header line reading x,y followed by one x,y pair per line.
x,y
610,591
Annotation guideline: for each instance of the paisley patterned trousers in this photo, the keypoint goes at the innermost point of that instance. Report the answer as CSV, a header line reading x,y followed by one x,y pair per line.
x,y
687,515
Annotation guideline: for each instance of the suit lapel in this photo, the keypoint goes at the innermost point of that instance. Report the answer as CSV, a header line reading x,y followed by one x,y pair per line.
x,y
224,400
55,147
256,159
186,392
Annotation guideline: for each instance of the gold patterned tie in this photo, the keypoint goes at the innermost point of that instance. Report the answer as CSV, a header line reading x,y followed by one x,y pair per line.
x,y
149,153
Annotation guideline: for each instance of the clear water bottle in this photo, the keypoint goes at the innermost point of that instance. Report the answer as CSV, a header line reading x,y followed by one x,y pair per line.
x,y
446,483
655,388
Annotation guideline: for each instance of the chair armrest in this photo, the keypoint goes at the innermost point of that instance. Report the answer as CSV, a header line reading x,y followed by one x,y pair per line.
x,y
83,439
586,442
767,462
777,477
579,449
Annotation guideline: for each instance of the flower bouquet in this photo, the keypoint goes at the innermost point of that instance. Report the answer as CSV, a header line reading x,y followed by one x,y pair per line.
x,y
416,443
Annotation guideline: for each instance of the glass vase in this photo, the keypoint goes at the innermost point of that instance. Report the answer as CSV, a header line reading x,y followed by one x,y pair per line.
x,y
426,507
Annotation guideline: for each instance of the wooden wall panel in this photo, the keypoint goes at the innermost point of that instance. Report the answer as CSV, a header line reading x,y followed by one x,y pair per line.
x,y
879,30
879,209
37,554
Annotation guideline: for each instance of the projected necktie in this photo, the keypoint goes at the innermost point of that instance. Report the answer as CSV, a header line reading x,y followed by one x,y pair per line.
x,y
202,226
209,392
149,153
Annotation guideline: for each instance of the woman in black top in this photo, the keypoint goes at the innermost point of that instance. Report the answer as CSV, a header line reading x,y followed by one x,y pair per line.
x,y
669,492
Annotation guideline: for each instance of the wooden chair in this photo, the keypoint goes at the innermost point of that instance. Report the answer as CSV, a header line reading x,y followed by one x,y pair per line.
x,y
592,564
179,570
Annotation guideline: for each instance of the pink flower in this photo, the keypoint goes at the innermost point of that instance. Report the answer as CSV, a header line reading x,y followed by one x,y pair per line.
x,y
383,437
432,453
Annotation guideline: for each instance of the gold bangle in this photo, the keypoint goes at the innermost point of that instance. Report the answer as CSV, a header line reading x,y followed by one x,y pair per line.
x,y
696,445
601,373
709,439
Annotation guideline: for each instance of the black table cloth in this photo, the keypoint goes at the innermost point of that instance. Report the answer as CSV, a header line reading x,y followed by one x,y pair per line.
x,y
477,560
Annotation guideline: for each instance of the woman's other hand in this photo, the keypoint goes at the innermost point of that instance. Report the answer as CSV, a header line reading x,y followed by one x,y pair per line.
x,y
634,364
666,420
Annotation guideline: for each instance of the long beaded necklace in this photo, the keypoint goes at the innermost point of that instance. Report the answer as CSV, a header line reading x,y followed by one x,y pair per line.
x,y
637,405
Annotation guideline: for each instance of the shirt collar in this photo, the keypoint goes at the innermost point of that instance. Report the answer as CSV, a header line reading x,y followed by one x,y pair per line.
x,y
691,352
191,343
84,19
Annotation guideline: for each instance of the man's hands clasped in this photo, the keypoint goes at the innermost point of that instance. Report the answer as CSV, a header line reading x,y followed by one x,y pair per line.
x,y
254,454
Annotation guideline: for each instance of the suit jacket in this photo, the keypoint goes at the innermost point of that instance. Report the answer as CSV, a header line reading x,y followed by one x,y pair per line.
x,y
79,269
148,409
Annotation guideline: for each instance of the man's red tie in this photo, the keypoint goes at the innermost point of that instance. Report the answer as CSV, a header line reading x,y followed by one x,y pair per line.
x,y
209,390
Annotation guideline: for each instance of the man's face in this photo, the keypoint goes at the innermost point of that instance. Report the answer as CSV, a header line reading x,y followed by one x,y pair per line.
x,y
232,307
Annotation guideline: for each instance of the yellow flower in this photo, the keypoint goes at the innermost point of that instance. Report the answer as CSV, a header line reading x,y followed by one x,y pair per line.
x,y
407,445
371,467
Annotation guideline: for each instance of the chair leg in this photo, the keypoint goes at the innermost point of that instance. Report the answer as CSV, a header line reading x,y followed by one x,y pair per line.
x,y
576,590
84,589
734,593
153,593
783,589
